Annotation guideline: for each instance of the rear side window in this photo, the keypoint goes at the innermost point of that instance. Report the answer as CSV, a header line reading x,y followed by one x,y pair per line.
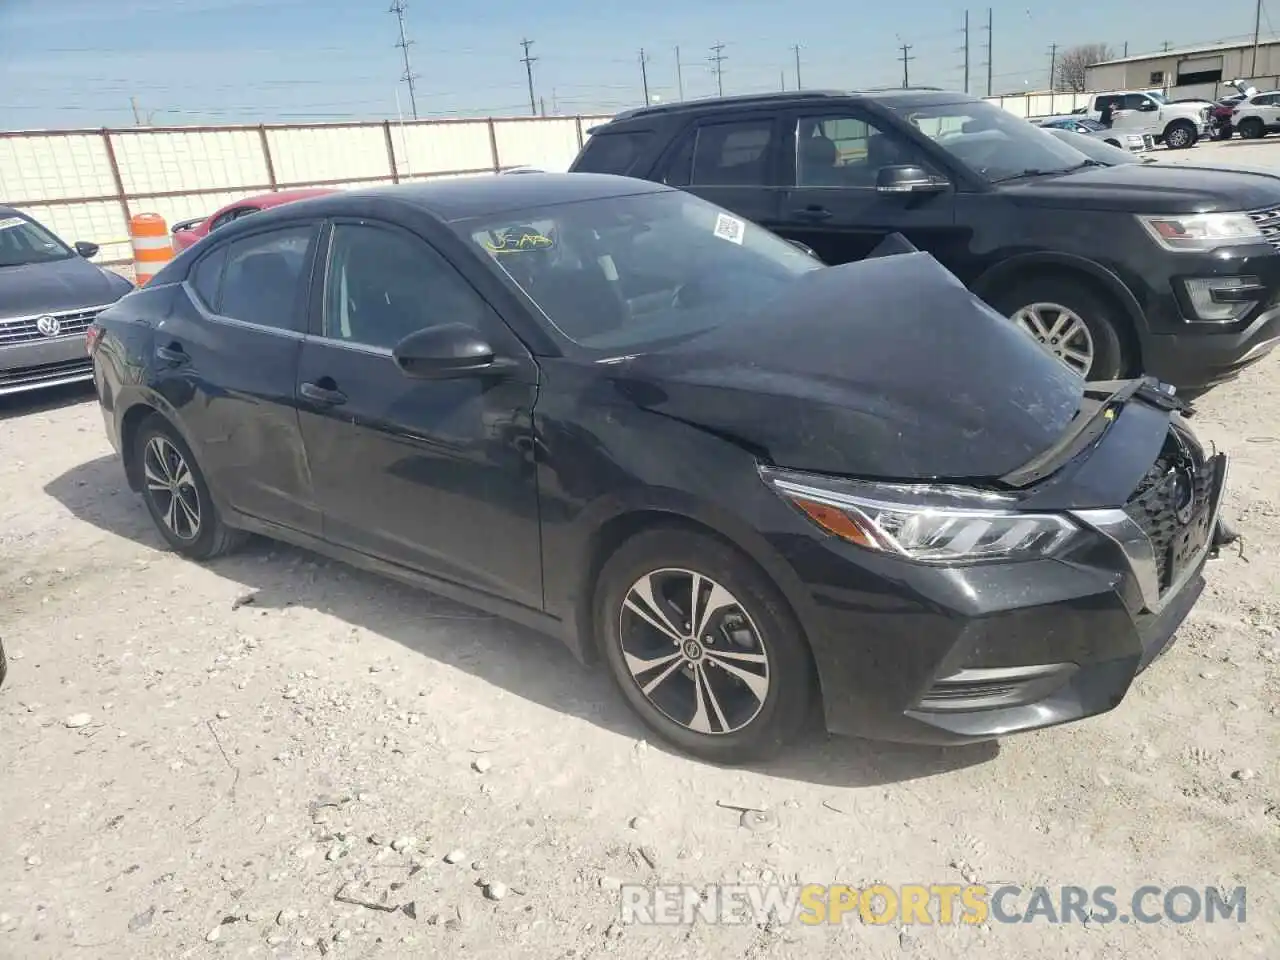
x,y
206,277
265,276
724,154
613,152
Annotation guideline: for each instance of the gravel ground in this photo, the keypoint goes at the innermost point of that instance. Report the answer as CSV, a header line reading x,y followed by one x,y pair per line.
x,y
279,756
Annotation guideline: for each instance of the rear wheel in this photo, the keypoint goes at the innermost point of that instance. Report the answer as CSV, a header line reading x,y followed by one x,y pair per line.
x,y
1252,129
1179,135
703,647
177,494
1071,322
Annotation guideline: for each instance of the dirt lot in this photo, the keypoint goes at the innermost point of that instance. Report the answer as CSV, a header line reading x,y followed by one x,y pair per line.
x,y
195,760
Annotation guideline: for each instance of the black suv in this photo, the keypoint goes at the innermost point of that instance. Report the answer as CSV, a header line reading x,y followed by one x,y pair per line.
x,y
1167,270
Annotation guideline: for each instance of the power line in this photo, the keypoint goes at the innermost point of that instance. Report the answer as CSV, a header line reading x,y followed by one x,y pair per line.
x,y
988,46
398,7
644,75
906,79
796,50
528,62
717,58
1053,63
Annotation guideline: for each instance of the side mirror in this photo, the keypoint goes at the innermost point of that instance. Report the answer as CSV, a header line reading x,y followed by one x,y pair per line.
x,y
805,249
86,249
445,351
1148,106
908,178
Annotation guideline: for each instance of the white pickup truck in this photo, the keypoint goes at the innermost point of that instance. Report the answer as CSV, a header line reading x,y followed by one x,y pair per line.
x,y
1176,125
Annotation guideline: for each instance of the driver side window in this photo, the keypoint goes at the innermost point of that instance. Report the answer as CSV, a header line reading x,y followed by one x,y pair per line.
x,y
847,151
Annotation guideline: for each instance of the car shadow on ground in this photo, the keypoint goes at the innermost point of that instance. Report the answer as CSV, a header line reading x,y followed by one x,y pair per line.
x,y
43,401
525,663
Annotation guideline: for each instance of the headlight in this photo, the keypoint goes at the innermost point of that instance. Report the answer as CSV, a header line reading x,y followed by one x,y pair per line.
x,y
927,523
1202,231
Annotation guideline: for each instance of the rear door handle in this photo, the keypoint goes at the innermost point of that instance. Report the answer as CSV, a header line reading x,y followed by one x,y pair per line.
x,y
813,213
173,355
323,395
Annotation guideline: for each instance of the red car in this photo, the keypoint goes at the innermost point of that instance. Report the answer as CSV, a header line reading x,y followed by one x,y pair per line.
x,y
189,231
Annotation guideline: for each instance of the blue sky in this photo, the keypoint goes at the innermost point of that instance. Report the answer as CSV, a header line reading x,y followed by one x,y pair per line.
x,y
77,63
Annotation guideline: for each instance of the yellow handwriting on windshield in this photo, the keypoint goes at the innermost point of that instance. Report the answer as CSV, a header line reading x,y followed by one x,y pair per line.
x,y
514,243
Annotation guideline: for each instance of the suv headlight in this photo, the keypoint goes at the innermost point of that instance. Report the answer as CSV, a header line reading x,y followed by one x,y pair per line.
x,y
1201,231
927,523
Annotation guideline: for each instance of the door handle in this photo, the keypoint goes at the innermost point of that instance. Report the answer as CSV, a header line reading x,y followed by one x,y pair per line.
x,y
173,355
322,395
813,213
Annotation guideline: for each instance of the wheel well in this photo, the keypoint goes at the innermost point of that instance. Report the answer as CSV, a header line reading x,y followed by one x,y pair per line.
x,y
1179,122
1113,142
134,417
613,534
1124,323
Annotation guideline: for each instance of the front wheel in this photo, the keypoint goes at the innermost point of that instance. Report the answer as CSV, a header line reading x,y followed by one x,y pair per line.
x,y
703,647
1071,323
1179,135
1252,129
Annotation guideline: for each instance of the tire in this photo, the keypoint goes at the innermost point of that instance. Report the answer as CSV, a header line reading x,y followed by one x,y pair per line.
x,y
1180,135
735,725
208,536
1252,129
1102,319
4,665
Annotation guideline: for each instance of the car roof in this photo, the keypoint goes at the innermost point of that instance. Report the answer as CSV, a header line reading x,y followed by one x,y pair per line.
x,y
911,96
461,198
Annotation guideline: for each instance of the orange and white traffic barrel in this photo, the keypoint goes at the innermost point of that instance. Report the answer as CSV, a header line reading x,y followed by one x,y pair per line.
x,y
152,245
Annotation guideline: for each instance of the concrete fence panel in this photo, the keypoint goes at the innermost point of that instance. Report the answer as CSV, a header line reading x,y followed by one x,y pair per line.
x,y
432,148
548,144
325,154
55,167
182,162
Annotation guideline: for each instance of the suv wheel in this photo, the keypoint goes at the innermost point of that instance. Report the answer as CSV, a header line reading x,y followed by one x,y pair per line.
x,y
1252,129
1071,322
703,647
1179,135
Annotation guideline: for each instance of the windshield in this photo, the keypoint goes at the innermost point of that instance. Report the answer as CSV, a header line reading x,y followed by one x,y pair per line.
x,y
1158,97
990,141
24,241
637,271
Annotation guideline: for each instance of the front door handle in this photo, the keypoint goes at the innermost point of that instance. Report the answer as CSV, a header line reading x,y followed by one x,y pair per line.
x,y
813,212
173,355
322,395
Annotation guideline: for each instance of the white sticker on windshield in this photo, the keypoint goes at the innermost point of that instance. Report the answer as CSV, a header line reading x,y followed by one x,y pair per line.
x,y
730,228
9,222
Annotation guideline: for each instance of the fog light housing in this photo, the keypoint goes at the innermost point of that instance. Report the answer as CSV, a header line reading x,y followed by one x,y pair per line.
x,y
1222,299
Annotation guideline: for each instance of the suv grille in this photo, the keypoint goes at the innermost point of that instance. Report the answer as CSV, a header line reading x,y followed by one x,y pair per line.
x,y
1180,476
27,329
1268,222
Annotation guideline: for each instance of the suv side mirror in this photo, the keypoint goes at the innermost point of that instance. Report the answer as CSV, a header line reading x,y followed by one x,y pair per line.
x,y
907,178
86,249
445,351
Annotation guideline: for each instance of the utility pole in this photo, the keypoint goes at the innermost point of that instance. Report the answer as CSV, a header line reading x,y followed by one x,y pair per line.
x,y
988,45
717,58
782,80
906,80
137,118
528,62
679,74
398,7
966,51
796,50
543,102
1126,48
644,75
1165,48
1257,26
1053,63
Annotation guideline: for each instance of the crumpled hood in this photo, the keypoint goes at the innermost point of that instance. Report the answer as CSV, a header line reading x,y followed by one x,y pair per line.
x,y
61,285
886,368
1151,188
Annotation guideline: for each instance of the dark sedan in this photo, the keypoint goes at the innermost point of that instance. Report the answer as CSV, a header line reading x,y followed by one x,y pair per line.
x,y
49,293
621,415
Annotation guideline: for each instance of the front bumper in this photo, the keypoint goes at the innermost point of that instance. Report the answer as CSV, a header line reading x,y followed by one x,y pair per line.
x,y
44,363
981,652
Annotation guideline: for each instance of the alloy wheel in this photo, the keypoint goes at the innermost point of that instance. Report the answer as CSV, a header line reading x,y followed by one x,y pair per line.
x,y
1178,138
693,651
172,488
1061,332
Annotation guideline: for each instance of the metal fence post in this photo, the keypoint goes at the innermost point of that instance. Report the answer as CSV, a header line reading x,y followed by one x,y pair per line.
x,y
266,154
115,174
493,146
577,126
391,151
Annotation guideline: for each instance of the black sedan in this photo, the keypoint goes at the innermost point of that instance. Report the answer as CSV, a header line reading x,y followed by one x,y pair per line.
x,y
619,414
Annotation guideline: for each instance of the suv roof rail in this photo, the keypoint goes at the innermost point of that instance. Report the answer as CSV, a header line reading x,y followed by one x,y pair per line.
x,y
744,98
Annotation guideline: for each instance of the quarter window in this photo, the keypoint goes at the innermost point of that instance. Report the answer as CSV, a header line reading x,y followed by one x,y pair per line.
x,y
264,278
206,278
383,285
612,152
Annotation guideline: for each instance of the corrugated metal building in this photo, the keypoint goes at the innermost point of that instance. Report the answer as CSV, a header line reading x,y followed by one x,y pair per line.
x,y
1191,71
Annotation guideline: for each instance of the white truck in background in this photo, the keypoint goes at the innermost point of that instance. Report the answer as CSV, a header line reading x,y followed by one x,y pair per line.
x,y
1148,112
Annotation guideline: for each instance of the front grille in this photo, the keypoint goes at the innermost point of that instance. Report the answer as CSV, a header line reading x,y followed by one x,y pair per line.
x,y
1268,221
26,378
27,329
1154,505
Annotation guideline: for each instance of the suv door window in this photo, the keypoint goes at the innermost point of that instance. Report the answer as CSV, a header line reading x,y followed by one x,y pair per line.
x,y
847,151
383,285
264,278
614,153
734,154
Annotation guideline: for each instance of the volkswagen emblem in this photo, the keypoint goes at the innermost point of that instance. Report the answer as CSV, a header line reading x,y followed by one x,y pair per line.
x,y
1184,495
49,326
